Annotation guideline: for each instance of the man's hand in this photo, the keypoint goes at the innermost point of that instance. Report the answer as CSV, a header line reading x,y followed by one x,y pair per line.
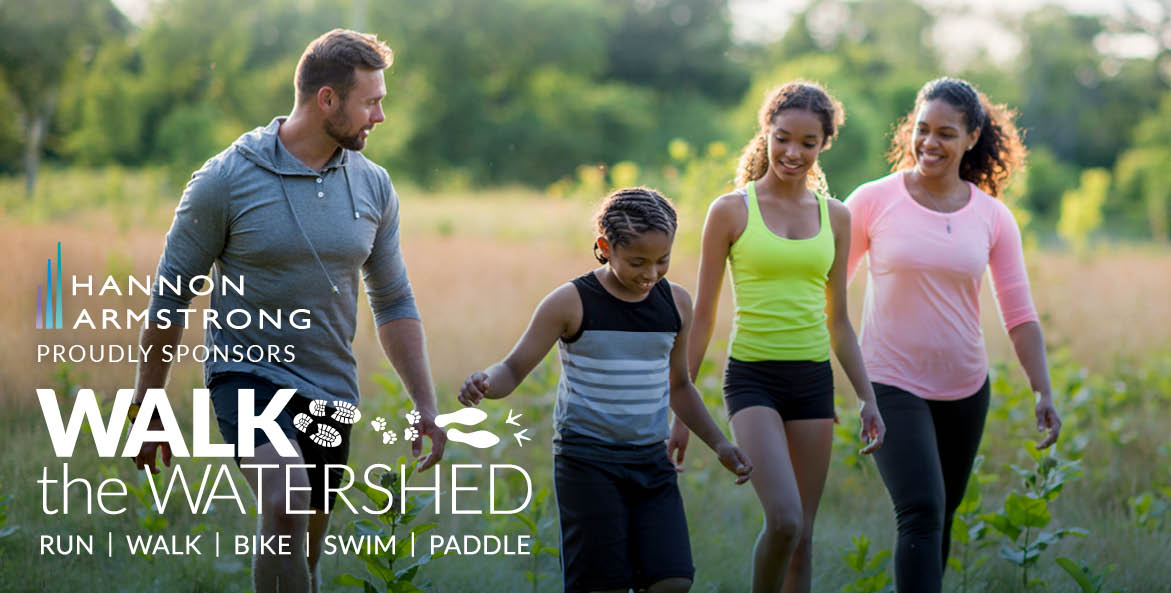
x,y
147,455
438,436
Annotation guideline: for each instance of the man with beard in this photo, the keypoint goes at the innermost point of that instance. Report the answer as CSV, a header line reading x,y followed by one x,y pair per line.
x,y
293,213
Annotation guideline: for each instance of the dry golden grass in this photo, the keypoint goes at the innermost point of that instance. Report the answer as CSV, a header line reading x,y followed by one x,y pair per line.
x,y
480,263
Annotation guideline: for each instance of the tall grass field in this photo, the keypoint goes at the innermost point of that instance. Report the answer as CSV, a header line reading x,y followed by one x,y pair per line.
x,y
479,263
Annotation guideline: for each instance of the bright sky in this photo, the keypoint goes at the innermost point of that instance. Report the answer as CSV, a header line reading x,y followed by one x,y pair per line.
x,y
969,22
962,23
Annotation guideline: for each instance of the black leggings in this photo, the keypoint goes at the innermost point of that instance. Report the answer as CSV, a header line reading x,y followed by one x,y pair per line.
x,y
925,462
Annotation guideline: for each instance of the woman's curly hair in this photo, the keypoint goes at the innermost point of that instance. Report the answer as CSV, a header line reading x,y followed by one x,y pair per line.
x,y
997,154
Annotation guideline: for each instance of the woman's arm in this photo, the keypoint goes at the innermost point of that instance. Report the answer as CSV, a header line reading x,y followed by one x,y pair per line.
x,y
1010,281
559,314
859,206
841,333
1029,343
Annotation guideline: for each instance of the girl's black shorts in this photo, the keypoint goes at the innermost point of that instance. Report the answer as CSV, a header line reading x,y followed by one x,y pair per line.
x,y
796,389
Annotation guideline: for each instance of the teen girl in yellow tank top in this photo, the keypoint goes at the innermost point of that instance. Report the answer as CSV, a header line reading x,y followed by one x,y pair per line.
x,y
786,242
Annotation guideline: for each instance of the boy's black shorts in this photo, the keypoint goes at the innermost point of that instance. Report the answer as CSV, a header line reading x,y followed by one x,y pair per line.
x,y
622,524
224,389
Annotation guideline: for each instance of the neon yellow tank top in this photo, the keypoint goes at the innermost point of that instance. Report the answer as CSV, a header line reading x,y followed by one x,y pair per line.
x,y
779,288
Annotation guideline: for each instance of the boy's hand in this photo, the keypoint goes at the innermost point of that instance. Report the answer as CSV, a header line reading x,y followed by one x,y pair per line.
x,y
735,460
474,389
677,444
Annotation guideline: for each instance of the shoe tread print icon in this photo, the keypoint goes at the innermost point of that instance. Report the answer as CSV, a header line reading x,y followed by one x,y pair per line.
x,y
326,435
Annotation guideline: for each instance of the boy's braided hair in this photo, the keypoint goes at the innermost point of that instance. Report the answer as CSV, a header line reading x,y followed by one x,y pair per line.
x,y
630,212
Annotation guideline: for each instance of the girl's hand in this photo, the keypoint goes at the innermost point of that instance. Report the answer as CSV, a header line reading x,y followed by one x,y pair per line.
x,y
1047,419
677,444
873,429
474,389
735,461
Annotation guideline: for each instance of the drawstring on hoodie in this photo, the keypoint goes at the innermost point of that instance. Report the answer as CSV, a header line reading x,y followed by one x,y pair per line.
x,y
349,188
296,219
304,235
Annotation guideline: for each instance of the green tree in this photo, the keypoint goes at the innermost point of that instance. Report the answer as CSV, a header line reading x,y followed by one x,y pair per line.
x,y
1143,175
674,45
1071,102
41,45
1081,208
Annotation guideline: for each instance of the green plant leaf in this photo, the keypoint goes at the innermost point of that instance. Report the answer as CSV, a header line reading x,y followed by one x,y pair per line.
x,y
1002,524
1079,575
1014,556
348,580
1026,511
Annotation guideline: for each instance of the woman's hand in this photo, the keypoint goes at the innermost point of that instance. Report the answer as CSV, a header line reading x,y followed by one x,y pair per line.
x,y
1047,419
873,428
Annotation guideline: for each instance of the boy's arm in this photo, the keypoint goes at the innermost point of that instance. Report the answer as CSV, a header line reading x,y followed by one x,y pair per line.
x,y
558,315
687,404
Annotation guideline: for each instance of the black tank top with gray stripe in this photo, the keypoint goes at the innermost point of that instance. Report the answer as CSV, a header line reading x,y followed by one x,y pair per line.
x,y
614,393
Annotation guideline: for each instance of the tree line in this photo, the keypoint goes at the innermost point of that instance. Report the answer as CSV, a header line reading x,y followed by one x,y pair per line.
x,y
525,91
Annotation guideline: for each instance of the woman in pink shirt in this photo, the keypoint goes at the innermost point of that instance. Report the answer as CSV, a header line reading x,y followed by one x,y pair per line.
x,y
931,228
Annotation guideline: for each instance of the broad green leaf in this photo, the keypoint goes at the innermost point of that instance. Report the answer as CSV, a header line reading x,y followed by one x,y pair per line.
x,y
1025,511
1079,575
348,580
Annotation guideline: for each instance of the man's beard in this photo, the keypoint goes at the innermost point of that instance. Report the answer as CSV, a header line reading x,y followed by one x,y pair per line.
x,y
335,130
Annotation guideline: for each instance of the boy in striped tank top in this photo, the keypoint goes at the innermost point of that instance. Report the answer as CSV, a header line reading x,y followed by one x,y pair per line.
x,y
622,331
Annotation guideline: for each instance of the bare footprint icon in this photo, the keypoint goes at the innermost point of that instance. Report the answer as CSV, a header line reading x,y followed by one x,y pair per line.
x,y
481,439
467,416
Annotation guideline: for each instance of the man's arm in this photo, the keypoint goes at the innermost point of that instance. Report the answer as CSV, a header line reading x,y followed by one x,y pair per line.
x,y
195,239
152,373
403,342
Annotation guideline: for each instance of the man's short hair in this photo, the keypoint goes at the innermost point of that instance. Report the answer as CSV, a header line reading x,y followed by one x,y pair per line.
x,y
330,60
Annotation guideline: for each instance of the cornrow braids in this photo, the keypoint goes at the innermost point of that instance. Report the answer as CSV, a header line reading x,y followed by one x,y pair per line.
x,y
998,152
799,94
629,212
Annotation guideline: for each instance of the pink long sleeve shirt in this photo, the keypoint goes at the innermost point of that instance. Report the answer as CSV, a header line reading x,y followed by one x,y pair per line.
x,y
921,314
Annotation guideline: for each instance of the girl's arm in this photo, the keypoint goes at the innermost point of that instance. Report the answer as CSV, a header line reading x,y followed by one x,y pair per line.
x,y
726,220
841,333
558,315
688,406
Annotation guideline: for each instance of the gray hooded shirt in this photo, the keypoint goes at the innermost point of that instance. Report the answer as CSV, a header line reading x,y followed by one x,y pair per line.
x,y
298,238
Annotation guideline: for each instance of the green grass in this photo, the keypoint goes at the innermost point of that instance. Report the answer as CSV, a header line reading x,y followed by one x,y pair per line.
x,y
724,519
